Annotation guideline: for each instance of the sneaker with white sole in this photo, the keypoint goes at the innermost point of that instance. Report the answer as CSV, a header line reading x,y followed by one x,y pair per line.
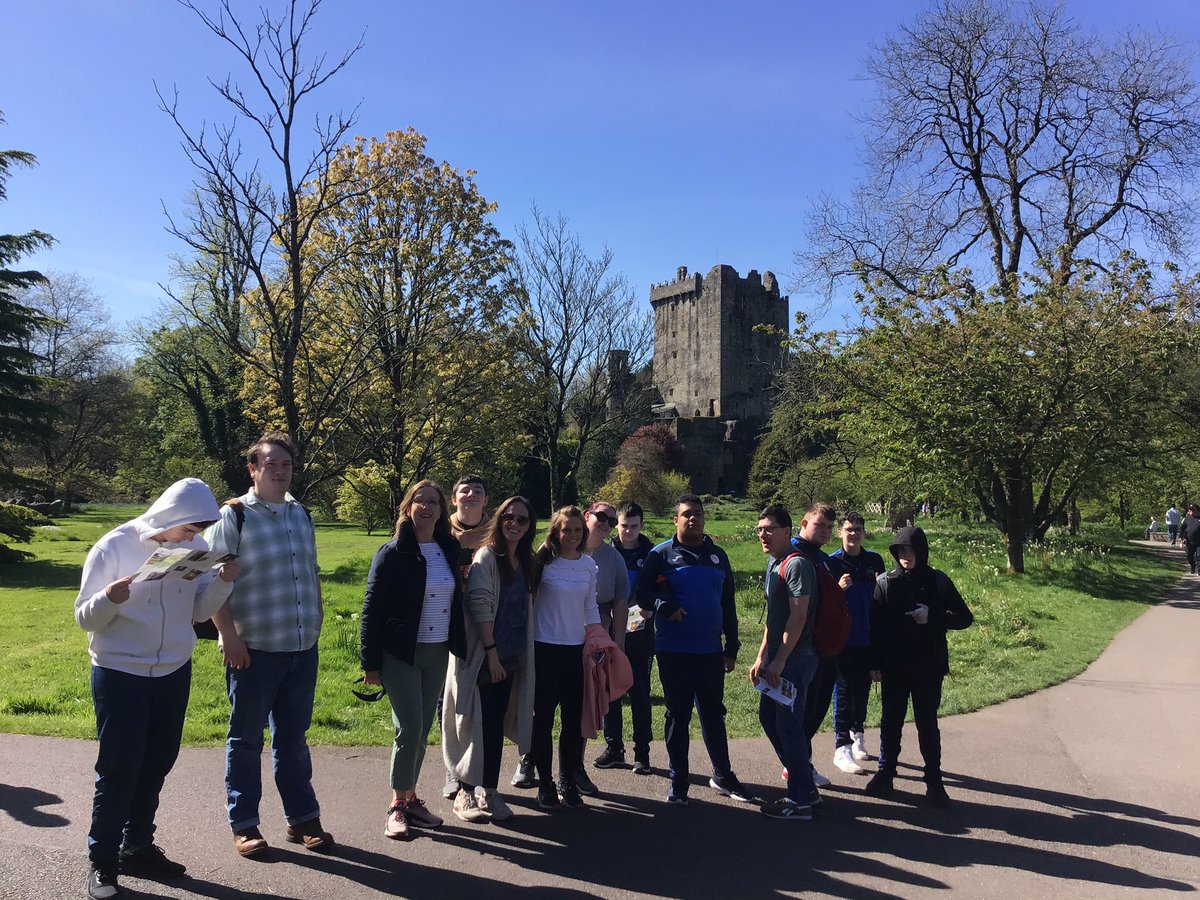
x,y
466,807
843,758
525,777
450,788
730,787
818,779
858,747
490,801
787,808
396,826
420,816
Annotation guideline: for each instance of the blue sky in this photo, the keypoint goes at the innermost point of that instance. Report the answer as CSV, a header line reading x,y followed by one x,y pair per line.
x,y
676,133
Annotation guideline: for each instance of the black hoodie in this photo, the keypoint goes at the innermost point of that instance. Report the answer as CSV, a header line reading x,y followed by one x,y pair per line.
x,y
897,640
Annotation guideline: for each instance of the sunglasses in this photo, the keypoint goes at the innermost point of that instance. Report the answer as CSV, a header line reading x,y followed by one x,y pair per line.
x,y
363,695
513,517
610,521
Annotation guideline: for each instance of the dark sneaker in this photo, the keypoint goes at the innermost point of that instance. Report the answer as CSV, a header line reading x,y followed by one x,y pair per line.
x,y
611,758
641,765
150,863
880,784
524,777
419,815
311,835
729,786
584,784
677,796
250,843
786,808
102,884
936,796
548,797
816,799
568,793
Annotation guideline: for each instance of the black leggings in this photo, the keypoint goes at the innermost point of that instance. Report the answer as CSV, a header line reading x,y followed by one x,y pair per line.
x,y
558,684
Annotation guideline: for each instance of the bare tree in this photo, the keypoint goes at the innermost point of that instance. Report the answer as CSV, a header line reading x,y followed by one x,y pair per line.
x,y
265,217
582,321
1004,135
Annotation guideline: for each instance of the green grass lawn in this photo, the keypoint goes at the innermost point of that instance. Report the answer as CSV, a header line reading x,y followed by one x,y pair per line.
x,y
1030,631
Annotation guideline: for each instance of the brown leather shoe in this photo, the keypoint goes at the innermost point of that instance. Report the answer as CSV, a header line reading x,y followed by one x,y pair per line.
x,y
311,835
250,843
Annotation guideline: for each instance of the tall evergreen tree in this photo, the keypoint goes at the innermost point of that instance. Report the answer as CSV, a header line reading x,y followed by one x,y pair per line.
x,y
21,410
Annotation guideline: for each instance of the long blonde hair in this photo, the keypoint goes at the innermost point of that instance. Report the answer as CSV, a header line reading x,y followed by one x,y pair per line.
x,y
442,527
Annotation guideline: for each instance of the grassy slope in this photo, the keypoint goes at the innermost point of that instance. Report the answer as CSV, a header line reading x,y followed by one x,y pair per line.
x,y
1030,631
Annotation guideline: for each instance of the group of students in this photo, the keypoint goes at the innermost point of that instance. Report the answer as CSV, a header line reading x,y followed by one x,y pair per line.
x,y
465,621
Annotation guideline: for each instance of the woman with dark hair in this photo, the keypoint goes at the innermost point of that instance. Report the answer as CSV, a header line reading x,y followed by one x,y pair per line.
x,y
412,620
490,689
564,608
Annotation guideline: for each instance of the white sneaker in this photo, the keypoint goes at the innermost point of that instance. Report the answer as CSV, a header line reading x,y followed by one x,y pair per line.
x,y
819,780
843,758
493,804
859,748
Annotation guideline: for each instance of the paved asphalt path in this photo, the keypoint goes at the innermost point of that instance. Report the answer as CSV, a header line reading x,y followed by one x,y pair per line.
x,y
1087,789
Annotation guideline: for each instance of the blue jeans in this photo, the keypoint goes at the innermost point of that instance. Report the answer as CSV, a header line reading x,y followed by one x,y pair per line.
x,y
694,680
276,689
850,693
139,721
784,727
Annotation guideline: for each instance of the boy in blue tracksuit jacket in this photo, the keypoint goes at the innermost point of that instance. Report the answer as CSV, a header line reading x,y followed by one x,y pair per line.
x,y
688,583
852,688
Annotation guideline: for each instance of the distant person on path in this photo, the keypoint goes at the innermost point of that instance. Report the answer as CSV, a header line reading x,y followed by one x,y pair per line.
x,y
469,523
564,608
612,599
1173,519
634,547
1152,528
489,692
140,639
268,638
412,620
688,583
786,654
913,607
852,687
1189,531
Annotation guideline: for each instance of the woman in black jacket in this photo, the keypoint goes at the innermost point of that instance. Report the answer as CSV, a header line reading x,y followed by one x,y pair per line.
x,y
913,607
412,620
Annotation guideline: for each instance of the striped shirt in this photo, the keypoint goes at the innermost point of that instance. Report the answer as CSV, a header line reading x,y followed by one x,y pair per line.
x,y
276,601
439,594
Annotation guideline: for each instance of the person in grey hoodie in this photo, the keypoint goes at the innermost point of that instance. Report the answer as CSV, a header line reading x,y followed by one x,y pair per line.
x,y
913,608
140,639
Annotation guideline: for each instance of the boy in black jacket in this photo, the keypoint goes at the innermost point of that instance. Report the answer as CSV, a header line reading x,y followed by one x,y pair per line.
x,y
913,607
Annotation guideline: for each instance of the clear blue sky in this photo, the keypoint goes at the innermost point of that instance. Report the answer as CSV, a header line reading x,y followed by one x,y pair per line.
x,y
677,133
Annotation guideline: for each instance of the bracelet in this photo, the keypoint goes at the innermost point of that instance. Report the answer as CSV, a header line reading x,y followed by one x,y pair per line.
x,y
489,647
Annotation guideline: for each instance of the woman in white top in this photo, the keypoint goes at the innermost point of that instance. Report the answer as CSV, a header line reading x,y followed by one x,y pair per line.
x,y
412,620
564,608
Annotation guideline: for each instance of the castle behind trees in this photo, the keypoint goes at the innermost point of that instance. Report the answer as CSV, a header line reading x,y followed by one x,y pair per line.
x,y
713,370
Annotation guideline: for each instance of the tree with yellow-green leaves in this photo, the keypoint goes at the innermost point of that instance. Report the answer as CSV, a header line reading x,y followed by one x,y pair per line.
x,y
411,269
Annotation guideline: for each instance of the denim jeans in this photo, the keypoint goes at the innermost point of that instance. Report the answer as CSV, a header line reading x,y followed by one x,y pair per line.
x,y
925,689
694,679
784,727
139,721
639,648
850,693
275,690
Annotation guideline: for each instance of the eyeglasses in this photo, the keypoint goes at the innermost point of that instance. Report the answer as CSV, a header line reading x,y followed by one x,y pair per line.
x,y
853,529
513,517
363,695
610,521
767,530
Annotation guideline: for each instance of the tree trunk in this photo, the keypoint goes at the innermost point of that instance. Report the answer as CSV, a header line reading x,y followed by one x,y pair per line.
x,y
1016,550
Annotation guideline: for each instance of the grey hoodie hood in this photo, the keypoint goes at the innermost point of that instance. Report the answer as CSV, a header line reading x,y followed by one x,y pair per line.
x,y
186,502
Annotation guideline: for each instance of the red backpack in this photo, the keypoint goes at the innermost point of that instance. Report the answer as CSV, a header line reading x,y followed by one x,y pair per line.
x,y
831,624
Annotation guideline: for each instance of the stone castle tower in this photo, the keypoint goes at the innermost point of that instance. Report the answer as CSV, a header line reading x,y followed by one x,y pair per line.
x,y
713,371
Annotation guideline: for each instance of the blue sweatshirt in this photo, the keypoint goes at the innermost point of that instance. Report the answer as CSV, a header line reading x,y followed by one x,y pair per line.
x,y
700,580
863,569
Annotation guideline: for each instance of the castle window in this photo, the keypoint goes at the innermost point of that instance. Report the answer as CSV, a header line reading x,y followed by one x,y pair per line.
x,y
674,354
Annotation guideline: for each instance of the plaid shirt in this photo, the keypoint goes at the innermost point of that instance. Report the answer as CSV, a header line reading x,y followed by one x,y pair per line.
x,y
276,601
